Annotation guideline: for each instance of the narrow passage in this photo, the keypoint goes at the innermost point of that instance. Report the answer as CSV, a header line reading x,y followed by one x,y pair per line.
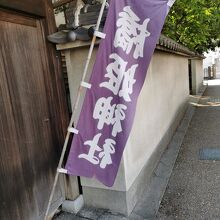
x,y
193,192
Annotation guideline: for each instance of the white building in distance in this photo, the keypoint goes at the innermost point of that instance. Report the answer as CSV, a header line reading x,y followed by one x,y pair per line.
x,y
212,59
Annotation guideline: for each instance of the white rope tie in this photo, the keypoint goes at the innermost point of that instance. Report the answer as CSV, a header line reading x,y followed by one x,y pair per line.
x,y
73,130
100,34
170,3
61,170
86,85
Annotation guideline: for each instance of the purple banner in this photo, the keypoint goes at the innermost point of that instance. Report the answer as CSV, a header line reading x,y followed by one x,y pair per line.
x,y
132,30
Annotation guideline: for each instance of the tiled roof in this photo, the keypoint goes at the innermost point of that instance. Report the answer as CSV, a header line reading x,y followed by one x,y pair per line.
x,y
163,44
169,45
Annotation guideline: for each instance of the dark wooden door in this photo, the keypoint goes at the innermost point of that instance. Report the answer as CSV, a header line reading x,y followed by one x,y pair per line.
x,y
32,117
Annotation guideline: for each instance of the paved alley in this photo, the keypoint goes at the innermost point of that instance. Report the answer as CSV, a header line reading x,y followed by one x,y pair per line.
x,y
193,189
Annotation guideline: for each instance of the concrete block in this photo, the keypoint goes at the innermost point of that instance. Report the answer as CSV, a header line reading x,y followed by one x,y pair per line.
x,y
73,206
106,199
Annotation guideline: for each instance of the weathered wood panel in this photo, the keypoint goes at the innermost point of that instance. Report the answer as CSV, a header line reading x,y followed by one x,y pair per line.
x,y
35,7
70,184
30,119
14,18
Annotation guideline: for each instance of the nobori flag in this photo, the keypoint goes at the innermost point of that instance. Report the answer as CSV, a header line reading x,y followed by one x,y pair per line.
x,y
132,30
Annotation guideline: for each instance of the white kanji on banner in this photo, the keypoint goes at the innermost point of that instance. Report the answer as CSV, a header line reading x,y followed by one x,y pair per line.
x,y
93,144
130,33
104,155
121,81
109,114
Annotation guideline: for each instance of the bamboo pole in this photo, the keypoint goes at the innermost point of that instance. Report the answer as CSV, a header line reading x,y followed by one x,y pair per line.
x,y
74,110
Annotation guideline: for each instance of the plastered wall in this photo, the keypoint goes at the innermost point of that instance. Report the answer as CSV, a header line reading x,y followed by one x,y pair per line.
x,y
165,92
